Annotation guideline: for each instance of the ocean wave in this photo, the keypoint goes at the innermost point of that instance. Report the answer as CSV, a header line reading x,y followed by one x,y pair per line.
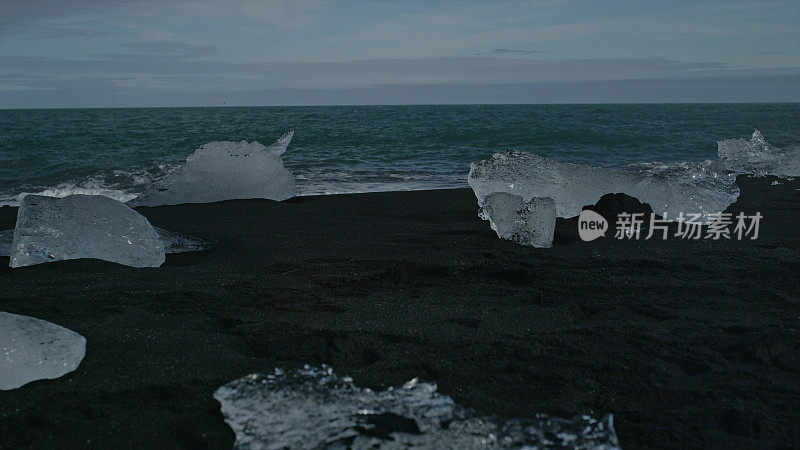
x,y
117,184
754,156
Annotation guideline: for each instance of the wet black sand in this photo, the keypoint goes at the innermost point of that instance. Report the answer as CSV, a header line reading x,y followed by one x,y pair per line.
x,y
688,343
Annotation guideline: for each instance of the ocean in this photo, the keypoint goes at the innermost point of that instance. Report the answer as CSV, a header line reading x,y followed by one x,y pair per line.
x,y
341,149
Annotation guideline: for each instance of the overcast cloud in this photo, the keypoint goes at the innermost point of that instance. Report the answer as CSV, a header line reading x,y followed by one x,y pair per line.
x,y
173,53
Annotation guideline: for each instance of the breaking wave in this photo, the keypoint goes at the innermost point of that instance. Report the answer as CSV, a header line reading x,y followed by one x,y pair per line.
x,y
119,184
754,156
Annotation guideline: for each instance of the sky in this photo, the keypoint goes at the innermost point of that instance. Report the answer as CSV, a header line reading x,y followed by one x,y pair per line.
x,y
212,53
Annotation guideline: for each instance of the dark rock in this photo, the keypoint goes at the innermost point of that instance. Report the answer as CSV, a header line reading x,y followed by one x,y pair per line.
x,y
612,205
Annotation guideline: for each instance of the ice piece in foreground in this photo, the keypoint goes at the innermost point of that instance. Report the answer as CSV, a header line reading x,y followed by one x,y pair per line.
x,y
314,408
33,349
83,226
531,223
688,188
223,171
758,157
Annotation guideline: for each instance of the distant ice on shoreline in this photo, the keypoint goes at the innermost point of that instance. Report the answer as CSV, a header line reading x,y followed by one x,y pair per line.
x,y
703,188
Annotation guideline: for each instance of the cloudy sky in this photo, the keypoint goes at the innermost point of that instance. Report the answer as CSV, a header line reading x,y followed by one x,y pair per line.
x,y
196,53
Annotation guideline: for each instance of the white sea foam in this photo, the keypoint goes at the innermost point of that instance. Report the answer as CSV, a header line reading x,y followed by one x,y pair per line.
x,y
120,185
69,188
314,408
753,155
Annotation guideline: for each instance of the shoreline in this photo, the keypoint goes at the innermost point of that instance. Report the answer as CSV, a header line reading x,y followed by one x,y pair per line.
x,y
687,343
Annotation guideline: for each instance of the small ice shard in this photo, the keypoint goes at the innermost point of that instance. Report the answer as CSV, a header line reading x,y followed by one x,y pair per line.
x,y
501,209
531,223
314,408
223,171
687,188
83,226
539,219
756,156
33,349
174,242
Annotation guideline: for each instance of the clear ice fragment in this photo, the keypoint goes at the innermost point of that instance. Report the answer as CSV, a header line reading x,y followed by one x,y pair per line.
x,y
83,226
225,170
33,349
531,223
703,188
314,408
172,241
756,156
687,188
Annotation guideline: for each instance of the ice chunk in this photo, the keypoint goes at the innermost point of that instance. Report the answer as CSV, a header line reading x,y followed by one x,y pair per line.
x,y
758,157
531,223
179,243
173,242
83,226
539,220
501,209
33,349
223,171
688,188
691,188
314,408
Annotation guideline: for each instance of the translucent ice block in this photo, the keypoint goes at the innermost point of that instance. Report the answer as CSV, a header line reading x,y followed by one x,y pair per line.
x,y
33,349
83,226
223,171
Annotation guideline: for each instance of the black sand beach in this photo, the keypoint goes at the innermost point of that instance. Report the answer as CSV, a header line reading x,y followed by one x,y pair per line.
x,y
688,343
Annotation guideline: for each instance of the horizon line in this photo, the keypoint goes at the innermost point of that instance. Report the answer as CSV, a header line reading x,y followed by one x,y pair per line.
x,y
405,104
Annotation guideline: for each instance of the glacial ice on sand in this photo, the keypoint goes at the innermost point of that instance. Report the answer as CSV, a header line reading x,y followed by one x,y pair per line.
x,y
704,188
531,223
314,408
758,157
83,226
225,170
173,242
691,189
33,349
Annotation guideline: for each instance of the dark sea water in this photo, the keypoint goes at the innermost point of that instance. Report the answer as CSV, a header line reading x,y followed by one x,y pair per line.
x,y
362,148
